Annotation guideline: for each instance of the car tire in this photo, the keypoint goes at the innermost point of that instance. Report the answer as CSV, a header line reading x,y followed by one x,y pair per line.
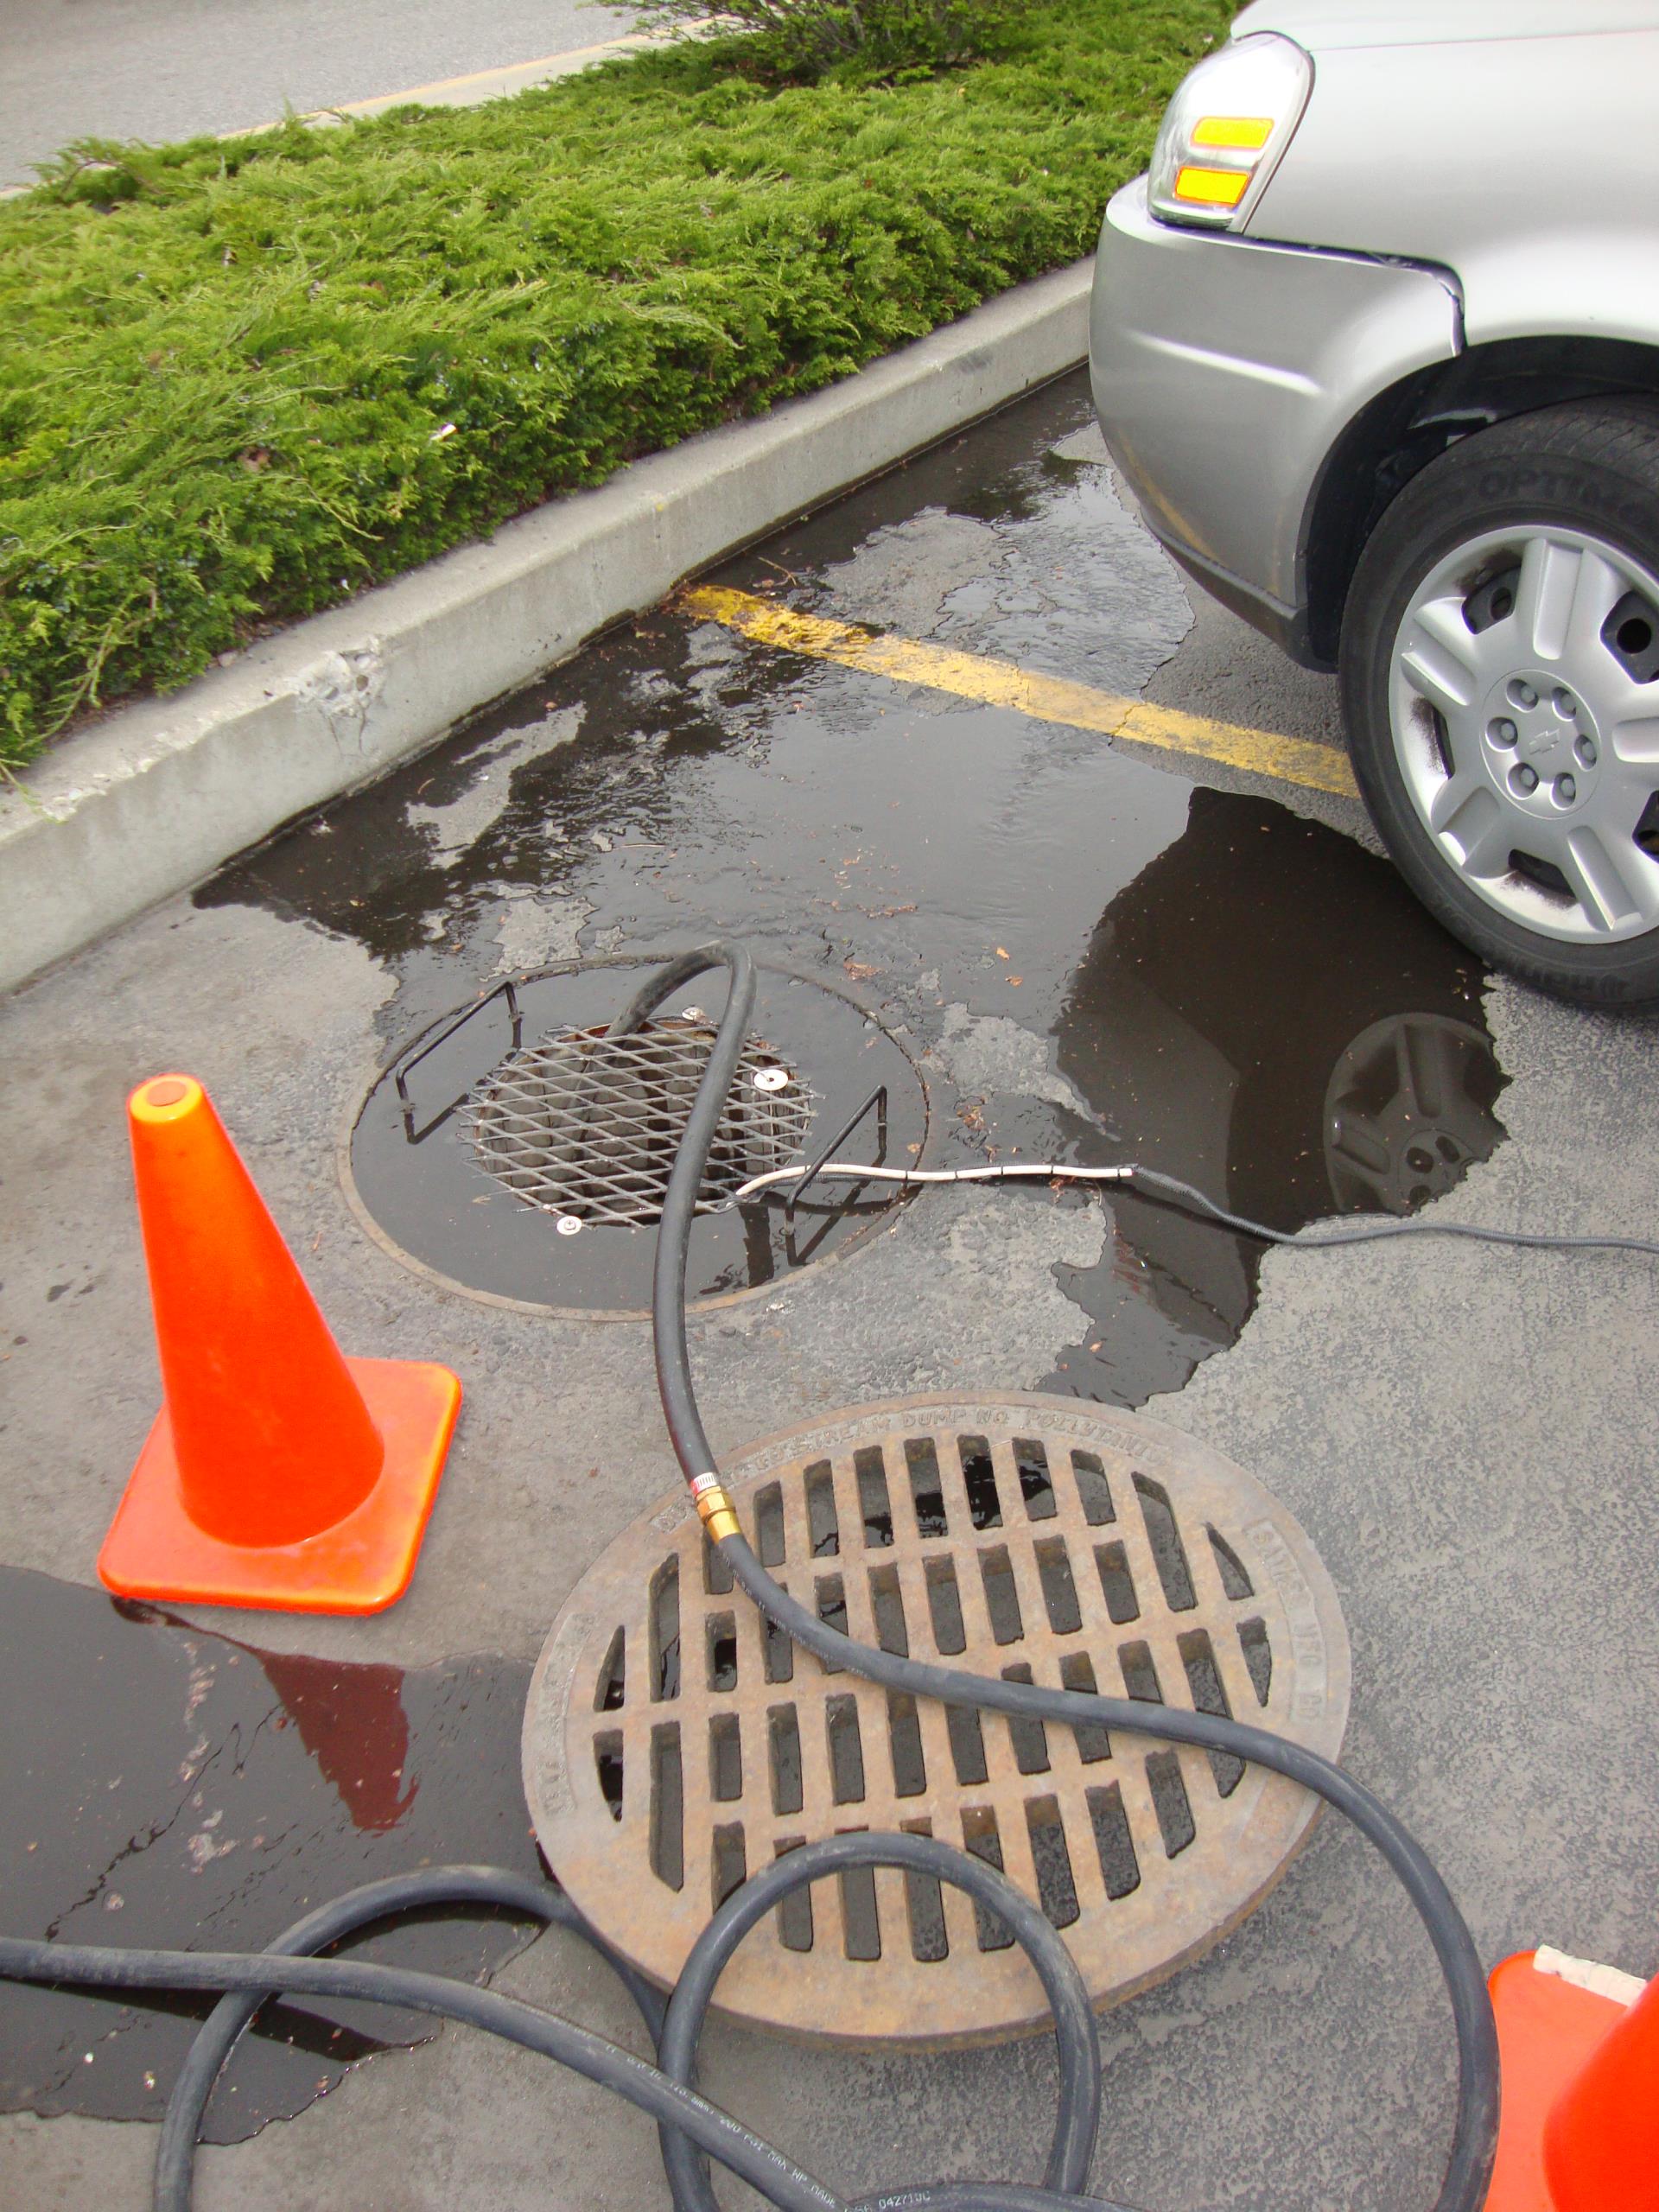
x,y
1500,682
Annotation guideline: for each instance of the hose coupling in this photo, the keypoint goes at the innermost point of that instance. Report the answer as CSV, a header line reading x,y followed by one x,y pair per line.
x,y
714,1508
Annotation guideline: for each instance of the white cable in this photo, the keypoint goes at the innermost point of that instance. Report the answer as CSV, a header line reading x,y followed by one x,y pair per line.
x,y
1153,1182
854,1172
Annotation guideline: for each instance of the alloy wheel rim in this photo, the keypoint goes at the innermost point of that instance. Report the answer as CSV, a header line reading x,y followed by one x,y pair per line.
x,y
1525,713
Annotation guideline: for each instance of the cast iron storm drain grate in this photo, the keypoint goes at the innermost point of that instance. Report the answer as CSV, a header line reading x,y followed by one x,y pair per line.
x,y
674,1741
586,1126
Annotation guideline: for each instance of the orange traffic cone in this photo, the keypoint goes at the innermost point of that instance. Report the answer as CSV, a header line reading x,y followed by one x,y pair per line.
x,y
1601,2140
279,1472
1580,2060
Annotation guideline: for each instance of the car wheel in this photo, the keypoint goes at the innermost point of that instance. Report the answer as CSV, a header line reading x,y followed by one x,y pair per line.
x,y
1500,676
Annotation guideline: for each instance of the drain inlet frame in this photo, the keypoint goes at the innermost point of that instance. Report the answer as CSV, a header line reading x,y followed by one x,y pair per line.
x,y
915,1117
1240,1553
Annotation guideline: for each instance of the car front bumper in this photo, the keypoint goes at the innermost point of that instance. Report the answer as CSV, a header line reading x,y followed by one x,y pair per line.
x,y
1226,369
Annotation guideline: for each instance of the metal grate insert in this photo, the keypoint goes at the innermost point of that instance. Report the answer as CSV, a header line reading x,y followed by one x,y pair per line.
x,y
674,1741
586,1126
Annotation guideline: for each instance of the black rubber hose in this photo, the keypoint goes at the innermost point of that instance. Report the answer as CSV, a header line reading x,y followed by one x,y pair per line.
x,y
251,1978
1078,2119
778,2178
680,1200
1475,2135
186,2103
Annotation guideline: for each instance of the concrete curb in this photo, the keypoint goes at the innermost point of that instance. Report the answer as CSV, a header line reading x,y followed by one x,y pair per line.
x,y
159,794
482,85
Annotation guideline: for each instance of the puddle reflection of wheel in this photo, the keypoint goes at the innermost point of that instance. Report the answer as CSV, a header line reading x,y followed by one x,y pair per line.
x,y
1408,1108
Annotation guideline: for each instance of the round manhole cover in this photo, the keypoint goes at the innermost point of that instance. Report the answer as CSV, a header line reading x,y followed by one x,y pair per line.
x,y
516,1151
674,1741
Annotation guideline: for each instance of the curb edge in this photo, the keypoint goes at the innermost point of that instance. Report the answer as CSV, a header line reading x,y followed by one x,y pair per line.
x,y
150,800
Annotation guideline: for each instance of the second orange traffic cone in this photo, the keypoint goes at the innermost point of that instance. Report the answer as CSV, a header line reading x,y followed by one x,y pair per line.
x,y
279,1472
1579,2047
1601,2140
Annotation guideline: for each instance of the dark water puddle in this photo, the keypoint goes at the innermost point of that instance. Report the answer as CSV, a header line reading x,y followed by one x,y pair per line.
x,y
1203,980
1266,1012
165,1786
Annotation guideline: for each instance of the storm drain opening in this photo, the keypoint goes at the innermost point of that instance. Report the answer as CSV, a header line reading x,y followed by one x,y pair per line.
x,y
518,1151
586,1126
1042,1540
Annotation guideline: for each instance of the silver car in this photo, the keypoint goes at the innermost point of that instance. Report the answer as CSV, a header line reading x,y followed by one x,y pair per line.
x,y
1375,344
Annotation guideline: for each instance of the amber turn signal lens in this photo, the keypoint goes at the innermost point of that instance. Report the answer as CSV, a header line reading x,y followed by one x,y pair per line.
x,y
1239,133
1210,188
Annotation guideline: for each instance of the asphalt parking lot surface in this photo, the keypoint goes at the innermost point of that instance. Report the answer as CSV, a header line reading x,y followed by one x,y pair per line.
x,y
875,748
120,69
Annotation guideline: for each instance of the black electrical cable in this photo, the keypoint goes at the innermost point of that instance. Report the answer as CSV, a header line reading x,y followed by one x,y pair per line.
x,y
1475,2135
1171,1187
690,2126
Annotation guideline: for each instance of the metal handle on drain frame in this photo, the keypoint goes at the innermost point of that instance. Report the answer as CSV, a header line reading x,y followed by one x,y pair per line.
x,y
877,1099
515,1014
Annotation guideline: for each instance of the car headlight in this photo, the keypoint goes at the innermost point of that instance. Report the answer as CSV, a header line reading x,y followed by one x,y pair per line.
x,y
1224,130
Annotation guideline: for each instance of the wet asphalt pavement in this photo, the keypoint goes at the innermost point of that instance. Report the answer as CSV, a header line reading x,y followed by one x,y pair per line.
x,y
1091,959
1062,949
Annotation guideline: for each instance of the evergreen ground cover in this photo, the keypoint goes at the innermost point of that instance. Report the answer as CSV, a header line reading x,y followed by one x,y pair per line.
x,y
240,381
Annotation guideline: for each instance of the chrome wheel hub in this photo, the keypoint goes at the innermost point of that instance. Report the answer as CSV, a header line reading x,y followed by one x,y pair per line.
x,y
1524,710
1543,749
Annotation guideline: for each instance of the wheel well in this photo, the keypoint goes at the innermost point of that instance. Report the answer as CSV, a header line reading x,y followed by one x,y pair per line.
x,y
1406,427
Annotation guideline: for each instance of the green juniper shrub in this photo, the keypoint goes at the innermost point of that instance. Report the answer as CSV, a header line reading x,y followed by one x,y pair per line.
x,y
802,38
240,381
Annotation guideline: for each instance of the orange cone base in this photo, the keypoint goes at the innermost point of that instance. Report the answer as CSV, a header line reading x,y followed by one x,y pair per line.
x,y
1546,2030
360,1565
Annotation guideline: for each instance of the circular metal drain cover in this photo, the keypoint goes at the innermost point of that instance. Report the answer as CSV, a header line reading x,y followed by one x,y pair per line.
x,y
519,1154
674,1740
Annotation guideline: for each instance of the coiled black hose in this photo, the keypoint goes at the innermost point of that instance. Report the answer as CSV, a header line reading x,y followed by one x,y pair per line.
x,y
691,2128
688,2122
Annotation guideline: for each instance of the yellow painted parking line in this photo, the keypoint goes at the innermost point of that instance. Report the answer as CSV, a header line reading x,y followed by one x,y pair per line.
x,y
1003,684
